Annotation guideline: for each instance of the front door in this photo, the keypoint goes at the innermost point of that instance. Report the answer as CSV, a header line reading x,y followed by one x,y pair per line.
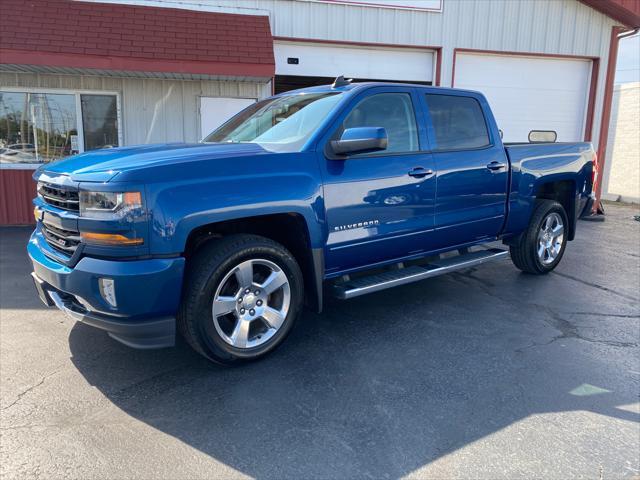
x,y
472,170
379,206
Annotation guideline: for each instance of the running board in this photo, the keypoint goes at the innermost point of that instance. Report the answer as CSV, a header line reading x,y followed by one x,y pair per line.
x,y
360,286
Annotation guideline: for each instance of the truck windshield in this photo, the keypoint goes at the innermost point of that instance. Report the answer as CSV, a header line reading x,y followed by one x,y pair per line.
x,y
281,124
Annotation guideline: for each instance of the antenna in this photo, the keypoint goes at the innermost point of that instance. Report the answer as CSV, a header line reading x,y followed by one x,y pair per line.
x,y
341,82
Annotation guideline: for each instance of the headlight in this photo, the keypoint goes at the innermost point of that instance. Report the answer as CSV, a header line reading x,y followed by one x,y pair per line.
x,y
108,205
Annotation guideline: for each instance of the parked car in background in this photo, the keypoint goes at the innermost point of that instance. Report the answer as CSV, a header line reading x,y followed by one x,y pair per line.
x,y
18,153
24,147
344,189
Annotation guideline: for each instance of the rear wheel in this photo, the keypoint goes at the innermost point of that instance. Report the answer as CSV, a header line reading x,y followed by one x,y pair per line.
x,y
540,248
242,296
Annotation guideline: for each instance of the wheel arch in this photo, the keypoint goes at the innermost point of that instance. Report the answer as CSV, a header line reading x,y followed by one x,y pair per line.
x,y
290,229
562,191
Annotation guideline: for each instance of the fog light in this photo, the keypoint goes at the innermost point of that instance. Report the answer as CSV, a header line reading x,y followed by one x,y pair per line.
x,y
108,290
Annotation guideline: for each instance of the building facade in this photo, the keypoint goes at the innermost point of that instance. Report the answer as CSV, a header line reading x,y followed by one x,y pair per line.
x,y
80,75
621,176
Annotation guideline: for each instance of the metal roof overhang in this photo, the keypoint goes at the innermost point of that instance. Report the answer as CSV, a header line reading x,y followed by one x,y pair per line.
x,y
17,68
51,63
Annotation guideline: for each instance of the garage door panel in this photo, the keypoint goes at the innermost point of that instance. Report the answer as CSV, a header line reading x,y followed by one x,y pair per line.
x,y
322,60
529,93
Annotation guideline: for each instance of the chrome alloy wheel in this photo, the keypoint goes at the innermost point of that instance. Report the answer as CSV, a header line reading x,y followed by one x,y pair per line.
x,y
251,303
550,238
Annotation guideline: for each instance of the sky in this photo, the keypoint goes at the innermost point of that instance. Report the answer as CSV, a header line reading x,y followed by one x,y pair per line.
x,y
628,66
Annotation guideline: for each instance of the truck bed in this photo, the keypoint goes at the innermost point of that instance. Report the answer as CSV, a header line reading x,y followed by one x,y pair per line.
x,y
533,164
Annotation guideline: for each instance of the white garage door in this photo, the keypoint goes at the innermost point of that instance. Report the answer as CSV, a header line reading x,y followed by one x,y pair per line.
x,y
214,111
530,93
329,60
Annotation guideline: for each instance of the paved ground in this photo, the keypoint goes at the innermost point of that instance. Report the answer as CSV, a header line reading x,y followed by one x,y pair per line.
x,y
487,373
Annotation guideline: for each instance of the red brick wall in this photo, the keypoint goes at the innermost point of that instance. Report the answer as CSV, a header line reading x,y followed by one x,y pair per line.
x,y
59,29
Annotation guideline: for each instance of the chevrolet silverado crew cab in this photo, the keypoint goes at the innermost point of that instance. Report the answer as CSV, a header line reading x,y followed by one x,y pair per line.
x,y
343,189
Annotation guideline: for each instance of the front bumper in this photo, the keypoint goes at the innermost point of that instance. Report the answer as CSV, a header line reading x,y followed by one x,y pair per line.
x,y
155,333
147,292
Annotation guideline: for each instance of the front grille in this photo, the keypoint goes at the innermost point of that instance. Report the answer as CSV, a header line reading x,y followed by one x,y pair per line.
x,y
60,196
65,241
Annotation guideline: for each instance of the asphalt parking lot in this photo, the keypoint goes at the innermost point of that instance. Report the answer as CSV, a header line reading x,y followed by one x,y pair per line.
x,y
487,373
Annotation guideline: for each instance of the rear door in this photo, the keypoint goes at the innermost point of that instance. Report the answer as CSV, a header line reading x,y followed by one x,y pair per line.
x,y
472,168
379,206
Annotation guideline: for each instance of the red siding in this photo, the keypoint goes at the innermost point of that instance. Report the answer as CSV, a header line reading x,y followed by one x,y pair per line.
x,y
632,5
627,12
17,190
94,35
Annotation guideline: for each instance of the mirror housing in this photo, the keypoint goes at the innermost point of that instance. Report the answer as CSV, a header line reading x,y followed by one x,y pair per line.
x,y
360,140
542,136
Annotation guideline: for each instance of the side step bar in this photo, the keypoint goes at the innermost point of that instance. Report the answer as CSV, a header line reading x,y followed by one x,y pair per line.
x,y
360,286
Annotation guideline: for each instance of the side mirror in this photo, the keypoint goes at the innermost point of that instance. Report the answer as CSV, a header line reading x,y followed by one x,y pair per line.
x,y
360,140
542,136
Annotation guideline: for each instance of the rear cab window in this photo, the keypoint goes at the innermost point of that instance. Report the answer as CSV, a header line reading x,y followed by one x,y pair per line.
x,y
458,122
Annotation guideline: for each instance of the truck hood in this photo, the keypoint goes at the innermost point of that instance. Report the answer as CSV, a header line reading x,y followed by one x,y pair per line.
x,y
106,165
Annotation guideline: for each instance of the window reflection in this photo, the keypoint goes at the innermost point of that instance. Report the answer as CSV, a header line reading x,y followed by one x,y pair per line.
x,y
43,127
36,127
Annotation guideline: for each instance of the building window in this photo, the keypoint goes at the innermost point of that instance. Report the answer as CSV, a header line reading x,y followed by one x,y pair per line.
x,y
99,121
42,127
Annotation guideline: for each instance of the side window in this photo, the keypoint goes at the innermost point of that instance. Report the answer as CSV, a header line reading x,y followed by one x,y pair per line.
x,y
458,122
394,112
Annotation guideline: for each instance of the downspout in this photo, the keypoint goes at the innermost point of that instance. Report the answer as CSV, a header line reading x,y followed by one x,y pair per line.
x,y
616,36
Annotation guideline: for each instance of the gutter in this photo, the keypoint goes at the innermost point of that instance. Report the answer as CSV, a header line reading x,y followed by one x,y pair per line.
x,y
629,33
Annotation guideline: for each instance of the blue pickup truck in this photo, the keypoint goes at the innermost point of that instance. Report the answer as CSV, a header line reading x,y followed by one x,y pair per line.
x,y
340,190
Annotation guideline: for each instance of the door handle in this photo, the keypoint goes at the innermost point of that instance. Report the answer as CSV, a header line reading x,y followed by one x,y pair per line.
x,y
493,166
420,172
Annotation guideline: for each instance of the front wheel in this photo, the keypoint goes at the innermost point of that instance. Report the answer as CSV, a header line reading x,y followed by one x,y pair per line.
x,y
540,248
242,296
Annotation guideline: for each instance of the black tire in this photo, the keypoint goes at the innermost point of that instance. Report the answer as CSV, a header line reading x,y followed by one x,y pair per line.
x,y
524,252
206,270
